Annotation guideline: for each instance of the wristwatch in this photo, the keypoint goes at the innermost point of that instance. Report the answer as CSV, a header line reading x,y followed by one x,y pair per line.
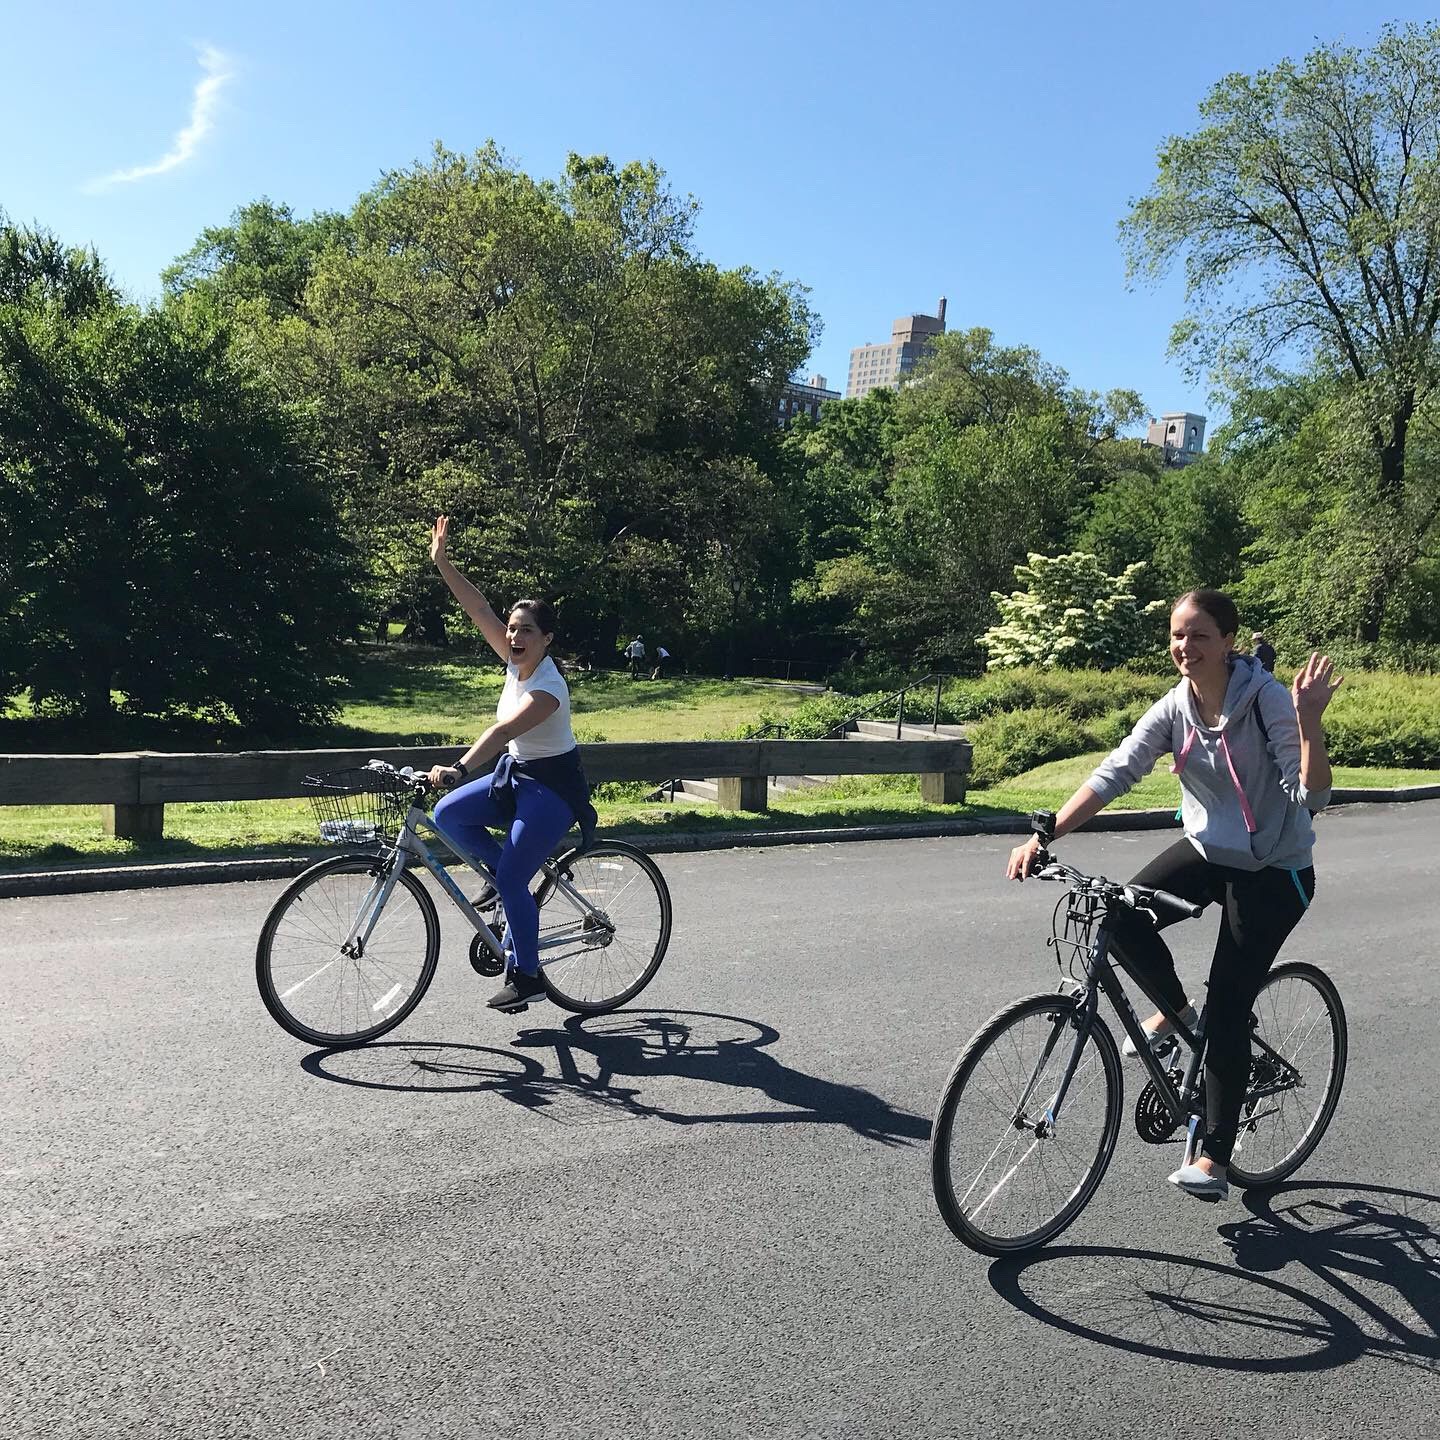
x,y
460,766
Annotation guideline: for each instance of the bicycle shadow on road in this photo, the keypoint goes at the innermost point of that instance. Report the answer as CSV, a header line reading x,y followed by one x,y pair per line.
x,y
1362,1278
595,1057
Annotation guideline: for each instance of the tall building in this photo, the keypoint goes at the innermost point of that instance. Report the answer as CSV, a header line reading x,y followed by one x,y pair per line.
x,y
804,398
1179,434
874,365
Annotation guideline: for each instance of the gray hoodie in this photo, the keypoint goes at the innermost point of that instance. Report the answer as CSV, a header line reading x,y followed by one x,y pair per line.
x,y
1244,803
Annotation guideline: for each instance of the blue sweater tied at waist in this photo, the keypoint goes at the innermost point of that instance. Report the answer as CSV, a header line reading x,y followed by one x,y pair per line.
x,y
563,774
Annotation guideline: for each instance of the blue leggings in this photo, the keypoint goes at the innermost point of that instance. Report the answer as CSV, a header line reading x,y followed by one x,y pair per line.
x,y
465,818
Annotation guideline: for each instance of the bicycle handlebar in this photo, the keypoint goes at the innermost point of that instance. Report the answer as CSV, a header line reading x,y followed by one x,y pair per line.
x,y
1137,897
419,781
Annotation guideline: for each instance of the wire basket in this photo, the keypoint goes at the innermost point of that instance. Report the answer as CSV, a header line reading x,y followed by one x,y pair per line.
x,y
1071,928
358,806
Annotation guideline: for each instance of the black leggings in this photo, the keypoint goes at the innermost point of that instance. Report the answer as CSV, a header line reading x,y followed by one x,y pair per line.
x,y
1259,908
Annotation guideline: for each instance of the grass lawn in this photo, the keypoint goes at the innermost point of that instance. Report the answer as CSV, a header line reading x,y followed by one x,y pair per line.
x,y
39,836
411,696
414,699
403,696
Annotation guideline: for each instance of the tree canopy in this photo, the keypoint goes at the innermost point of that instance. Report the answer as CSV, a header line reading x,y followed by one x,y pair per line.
x,y
1306,211
161,538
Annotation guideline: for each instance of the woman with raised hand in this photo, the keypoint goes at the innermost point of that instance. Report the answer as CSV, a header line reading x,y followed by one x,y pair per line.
x,y
1253,767
537,788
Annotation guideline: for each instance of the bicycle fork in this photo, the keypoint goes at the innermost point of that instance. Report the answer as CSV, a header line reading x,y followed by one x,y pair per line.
x,y
368,913
1045,1126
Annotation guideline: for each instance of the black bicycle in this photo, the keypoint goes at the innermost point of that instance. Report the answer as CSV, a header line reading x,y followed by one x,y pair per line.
x,y
1029,1116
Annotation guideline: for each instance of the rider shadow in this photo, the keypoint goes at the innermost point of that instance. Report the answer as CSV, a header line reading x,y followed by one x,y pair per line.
x,y
595,1057
1373,1250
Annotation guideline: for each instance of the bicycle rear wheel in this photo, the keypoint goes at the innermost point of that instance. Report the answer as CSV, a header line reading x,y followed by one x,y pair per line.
x,y
1006,1180
317,981
596,959
1295,1082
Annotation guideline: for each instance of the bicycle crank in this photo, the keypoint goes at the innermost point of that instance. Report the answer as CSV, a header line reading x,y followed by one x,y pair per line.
x,y
1153,1121
482,961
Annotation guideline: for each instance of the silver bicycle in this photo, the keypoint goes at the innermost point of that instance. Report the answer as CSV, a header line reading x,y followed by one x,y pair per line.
x,y
350,948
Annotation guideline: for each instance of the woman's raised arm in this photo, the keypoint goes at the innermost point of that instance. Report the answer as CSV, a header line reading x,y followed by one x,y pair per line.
x,y
472,602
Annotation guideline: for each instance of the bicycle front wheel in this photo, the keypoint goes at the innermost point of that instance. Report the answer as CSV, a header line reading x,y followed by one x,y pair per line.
x,y
1007,1175
1299,1044
321,978
604,932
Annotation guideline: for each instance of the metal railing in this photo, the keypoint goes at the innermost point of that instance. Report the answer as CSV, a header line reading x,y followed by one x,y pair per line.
x,y
899,696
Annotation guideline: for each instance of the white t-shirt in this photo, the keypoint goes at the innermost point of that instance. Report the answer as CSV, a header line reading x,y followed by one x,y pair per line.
x,y
553,735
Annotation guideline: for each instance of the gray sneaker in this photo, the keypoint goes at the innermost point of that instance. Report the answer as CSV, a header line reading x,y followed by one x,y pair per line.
x,y
1157,1037
1201,1183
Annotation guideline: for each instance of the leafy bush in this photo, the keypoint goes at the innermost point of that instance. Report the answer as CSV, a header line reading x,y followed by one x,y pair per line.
x,y
1083,694
1385,719
1007,745
1070,612
1017,719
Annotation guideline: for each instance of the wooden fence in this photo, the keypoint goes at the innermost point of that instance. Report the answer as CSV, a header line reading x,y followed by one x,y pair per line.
x,y
134,788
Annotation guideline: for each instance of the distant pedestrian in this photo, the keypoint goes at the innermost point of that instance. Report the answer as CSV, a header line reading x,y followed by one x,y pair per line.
x,y
662,656
635,654
1264,651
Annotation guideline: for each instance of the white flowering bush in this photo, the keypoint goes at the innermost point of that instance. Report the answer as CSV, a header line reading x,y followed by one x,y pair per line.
x,y
1070,613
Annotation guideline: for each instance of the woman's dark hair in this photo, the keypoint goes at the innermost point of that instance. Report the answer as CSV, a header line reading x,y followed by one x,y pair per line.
x,y
1217,605
541,611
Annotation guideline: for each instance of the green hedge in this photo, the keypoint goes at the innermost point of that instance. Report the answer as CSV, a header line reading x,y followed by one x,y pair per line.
x,y
1384,718
1022,718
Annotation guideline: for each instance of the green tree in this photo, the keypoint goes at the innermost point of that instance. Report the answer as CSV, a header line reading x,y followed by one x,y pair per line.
x,y
161,537
1319,538
549,361
986,455
1306,210
263,258
1186,523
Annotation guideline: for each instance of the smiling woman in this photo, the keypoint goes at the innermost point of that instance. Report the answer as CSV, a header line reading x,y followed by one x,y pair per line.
x,y
537,790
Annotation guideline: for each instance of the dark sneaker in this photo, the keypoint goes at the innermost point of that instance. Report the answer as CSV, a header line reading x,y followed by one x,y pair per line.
x,y
517,992
487,899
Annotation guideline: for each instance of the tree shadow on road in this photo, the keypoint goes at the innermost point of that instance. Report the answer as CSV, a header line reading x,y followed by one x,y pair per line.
x,y
1362,1278
595,1057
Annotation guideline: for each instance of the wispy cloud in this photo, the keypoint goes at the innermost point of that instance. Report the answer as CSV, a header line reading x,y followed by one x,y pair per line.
x,y
203,105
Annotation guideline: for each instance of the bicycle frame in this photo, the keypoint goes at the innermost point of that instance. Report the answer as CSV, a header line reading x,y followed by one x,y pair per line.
x,y
409,850
1100,977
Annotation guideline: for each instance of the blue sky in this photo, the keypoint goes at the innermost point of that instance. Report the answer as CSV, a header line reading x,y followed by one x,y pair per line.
x,y
881,156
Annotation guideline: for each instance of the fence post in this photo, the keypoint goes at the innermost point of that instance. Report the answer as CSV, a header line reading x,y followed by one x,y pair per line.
x,y
134,822
742,792
942,787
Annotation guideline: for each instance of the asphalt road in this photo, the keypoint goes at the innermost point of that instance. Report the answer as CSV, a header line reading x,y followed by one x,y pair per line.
x,y
707,1216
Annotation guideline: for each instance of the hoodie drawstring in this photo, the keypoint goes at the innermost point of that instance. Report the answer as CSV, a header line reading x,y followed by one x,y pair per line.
x,y
1184,755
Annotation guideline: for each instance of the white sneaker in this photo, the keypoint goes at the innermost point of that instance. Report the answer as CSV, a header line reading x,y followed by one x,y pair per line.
x,y
1201,1183
1189,1015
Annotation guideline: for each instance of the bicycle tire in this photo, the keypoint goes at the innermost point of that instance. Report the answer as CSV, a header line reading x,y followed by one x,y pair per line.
x,y
589,981
318,933
1303,973
1060,1010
